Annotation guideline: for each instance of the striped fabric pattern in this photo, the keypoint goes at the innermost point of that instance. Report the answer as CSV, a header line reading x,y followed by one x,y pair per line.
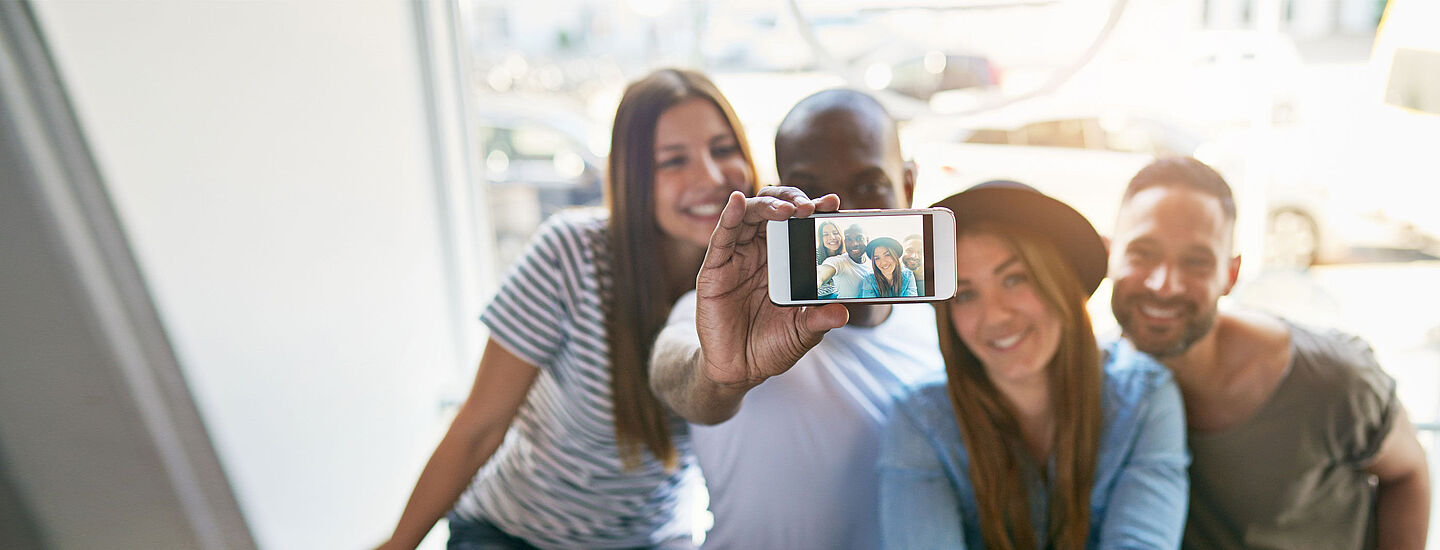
x,y
557,480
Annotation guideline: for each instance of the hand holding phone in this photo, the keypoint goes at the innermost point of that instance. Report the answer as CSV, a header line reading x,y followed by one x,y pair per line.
x,y
862,256
745,338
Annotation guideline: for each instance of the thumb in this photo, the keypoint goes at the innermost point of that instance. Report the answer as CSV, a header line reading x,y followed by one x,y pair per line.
x,y
816,321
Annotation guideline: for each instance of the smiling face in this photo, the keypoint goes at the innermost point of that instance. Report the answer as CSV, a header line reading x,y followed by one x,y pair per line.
x,y
1170,263
855,243
830,238
698,162
999,312
914,256
885,262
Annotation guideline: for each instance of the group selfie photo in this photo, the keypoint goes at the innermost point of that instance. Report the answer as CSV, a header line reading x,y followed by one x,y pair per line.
x,y
720,275
846,328
770,355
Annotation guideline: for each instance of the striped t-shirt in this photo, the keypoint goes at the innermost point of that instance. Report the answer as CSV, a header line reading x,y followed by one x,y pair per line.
x,y
557,480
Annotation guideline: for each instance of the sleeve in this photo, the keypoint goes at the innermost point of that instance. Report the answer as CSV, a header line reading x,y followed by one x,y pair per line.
x,y
909,282
1147,508
918,506
529,315
868,288
1370,405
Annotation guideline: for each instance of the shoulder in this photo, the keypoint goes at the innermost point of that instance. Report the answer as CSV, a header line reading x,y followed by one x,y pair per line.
x,y
1337,360
834,261
1131,377
582,224
925,401
571,239
1330,346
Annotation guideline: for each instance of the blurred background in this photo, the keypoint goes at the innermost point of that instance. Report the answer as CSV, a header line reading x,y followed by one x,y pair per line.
x,y
245,243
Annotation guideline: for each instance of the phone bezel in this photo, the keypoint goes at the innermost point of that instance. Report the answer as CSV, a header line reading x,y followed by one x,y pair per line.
x,y
777,242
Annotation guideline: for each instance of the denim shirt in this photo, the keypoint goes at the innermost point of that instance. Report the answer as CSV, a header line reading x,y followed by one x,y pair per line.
x,y
1141,488
870,288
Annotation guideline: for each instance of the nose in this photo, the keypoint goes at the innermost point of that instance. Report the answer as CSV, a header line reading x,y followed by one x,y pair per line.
x,y
994,311
711,174
1163,281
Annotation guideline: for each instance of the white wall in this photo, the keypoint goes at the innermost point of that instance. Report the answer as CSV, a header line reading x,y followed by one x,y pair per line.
x,y
274,168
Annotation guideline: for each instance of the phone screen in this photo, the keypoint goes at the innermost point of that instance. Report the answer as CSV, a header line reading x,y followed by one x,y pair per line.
x,y
879,257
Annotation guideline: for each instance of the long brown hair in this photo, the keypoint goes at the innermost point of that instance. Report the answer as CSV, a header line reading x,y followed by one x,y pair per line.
x,y
822,253
888,286
637,308
988,423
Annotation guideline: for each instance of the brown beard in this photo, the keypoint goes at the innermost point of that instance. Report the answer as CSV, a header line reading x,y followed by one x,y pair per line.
x,y
1197,324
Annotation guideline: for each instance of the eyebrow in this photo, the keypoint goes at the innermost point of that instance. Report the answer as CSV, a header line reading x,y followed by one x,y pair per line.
x,y
719,137
866,174
1002,267
1006,264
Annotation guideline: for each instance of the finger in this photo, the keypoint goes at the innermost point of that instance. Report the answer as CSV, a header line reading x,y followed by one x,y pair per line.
x,y
782,192
727,232
827,203
760,209
816,321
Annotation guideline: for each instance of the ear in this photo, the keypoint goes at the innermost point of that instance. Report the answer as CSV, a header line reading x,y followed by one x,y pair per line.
x,y
909,183
1233,275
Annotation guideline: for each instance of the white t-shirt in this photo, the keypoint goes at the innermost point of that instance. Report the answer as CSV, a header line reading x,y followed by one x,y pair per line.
x,y
796,466
848,274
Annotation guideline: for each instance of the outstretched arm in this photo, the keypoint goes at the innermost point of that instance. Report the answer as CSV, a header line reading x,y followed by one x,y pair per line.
x,y
824,273
702,365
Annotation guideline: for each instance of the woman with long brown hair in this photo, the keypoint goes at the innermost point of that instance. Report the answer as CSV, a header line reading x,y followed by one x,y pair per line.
x,y
888,278
1034,438
829,243
576,451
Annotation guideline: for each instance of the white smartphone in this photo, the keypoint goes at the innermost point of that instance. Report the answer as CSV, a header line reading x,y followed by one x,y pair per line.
x,y
862,256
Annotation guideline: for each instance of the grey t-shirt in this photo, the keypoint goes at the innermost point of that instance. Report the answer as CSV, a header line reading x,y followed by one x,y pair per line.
x,y
1292,476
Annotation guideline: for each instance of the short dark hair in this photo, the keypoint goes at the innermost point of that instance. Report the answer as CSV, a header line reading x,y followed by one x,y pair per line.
x,y
1185,172
854,228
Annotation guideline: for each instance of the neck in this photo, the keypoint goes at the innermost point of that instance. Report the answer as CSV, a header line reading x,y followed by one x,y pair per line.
x,y
681,261
1030,399
1200,363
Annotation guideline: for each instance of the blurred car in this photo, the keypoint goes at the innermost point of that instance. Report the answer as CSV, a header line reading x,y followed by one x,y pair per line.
x,y
921,75
1087,158
538,158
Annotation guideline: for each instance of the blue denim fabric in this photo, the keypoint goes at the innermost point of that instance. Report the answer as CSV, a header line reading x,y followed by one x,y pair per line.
x,y
870,288
478,534
1141,489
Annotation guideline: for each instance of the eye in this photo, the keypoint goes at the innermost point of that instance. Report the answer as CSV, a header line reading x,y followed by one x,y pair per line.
x,y
672,162
1141,254
964,297
1197,263
1015,279
723,151
872,188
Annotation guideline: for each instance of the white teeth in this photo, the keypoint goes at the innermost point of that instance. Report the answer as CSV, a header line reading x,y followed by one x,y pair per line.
x,y
1005,343
705,210
1160,313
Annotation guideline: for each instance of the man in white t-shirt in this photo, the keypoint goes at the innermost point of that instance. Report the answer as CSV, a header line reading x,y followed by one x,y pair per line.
x,y
848,270
795,466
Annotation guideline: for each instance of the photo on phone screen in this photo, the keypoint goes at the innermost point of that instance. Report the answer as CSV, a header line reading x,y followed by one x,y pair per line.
x,y
862,257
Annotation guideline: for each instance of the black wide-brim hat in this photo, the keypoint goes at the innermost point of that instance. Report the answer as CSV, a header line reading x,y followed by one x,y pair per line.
x,y
1013,203
886,242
